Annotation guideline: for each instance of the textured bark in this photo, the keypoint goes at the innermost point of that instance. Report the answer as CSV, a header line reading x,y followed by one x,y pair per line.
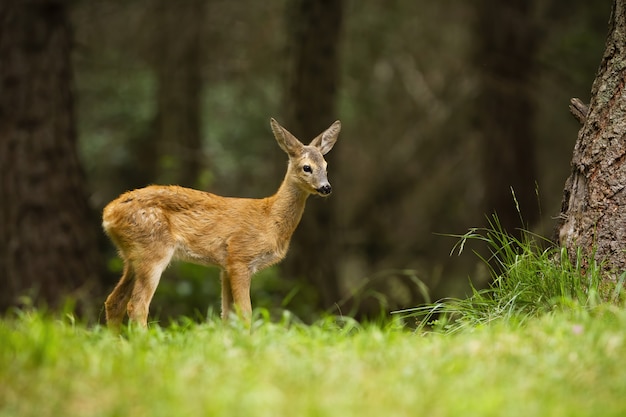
x,y
504,57
579,110
314,27
593,215
48,247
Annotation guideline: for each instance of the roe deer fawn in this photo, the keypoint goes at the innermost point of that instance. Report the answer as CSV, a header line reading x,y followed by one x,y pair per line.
x,y
153,225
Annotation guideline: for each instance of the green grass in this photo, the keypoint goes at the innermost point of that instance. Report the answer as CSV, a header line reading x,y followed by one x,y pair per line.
x,y
565,363
546,339
530,277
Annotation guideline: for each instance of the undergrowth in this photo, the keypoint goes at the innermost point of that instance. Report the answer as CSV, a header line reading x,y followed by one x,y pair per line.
x,y
563,362
530,277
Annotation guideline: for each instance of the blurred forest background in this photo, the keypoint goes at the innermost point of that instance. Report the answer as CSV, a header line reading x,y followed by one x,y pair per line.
x,y
446,107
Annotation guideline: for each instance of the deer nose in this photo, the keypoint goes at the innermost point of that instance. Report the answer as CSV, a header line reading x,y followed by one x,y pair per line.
x,y
325,189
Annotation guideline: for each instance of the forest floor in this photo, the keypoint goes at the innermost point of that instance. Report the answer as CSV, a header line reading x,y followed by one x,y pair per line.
x,y
562,363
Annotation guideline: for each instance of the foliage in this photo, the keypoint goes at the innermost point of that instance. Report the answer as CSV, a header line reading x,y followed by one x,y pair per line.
x,y
560,364
409,161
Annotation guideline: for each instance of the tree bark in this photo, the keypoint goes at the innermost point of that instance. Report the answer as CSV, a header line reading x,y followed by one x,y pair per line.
x,y
593,214
314,28
48,244
507,41
579,110
177,53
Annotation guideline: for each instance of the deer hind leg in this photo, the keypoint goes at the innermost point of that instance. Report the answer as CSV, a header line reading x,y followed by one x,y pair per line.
x,y
115,304
147,275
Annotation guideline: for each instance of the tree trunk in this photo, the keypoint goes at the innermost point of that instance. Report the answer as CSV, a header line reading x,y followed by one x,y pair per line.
x,y
314,28
507,41
593,214
177,53
48,244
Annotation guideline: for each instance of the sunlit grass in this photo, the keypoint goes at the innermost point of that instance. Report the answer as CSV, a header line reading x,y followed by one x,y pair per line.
x,y
563,363
547,338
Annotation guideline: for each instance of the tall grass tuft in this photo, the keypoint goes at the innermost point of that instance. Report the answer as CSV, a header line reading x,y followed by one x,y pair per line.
x,y
529,277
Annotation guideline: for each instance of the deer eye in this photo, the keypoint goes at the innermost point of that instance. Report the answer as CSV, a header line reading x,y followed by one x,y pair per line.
x,y
307,168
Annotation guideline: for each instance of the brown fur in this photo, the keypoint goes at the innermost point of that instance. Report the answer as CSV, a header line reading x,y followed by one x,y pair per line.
x,y
153,225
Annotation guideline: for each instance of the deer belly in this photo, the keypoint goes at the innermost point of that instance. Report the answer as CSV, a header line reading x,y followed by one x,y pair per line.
x,y
186,254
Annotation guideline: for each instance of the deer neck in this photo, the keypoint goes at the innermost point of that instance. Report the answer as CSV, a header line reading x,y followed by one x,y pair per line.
x,y
287,206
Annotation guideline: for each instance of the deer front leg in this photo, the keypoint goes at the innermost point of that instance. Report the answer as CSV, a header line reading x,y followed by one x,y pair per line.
x,y
239,277
227,295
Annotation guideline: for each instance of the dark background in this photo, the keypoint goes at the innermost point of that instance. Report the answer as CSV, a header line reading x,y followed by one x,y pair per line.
x,y
446,108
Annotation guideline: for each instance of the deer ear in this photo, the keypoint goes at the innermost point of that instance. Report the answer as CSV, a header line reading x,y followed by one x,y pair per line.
x,y
286,140
326,140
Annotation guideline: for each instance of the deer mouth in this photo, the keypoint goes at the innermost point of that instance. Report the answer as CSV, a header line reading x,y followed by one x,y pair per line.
x,y
324,190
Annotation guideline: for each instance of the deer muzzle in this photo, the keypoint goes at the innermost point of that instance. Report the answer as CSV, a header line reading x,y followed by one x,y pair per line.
x,y
325,189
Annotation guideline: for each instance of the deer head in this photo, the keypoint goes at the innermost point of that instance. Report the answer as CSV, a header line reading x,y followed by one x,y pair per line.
x,y
306,162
